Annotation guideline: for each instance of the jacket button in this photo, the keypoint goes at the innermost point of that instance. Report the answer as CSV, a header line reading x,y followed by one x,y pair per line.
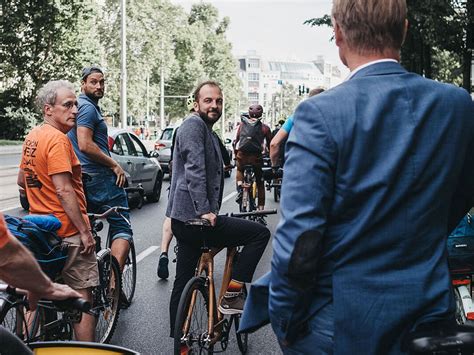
x,y
218,172
216,188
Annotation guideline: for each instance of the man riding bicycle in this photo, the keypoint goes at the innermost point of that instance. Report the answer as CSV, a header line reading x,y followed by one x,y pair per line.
x,y
196,191
248,150
50,173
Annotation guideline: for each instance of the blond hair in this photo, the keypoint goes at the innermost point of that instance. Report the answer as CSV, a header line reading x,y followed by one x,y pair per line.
x,y
371,26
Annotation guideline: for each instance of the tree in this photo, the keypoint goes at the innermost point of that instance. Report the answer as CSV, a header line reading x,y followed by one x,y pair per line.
x,y
41,41
439,41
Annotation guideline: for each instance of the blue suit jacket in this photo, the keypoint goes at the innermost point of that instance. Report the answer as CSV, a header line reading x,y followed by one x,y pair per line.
x,y
380,168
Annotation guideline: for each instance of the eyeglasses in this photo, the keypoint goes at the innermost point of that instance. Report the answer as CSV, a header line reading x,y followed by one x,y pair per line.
x,y
68,104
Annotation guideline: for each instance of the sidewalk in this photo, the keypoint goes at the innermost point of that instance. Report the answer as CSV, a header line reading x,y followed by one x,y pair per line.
x,y
10,149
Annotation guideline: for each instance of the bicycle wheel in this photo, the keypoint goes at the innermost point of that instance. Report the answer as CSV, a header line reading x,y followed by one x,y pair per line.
x,y
244,200
242,338
129,277
107,297
194,341
276,194
24,324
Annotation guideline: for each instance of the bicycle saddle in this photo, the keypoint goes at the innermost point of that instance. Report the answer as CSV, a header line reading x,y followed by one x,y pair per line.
x,y
441,339
198,222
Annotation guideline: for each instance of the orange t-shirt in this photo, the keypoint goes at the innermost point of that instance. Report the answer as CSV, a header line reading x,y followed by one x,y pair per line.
x,y
48,151
4,234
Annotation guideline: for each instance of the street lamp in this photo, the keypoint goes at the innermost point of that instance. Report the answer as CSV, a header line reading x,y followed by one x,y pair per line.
x,y
123,72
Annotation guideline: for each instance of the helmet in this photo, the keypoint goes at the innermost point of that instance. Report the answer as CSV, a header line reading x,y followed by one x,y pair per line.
x,y
190,102
255,111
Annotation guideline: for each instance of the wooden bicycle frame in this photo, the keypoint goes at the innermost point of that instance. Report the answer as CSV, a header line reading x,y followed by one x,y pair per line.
x,y
206,266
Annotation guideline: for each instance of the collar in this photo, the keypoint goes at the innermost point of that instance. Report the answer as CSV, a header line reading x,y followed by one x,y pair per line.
x,y
360,67
83,96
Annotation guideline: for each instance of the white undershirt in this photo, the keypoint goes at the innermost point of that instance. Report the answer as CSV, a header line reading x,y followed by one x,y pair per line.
x,y
352,73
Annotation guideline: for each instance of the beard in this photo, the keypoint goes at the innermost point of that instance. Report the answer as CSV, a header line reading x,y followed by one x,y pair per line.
x,y
95,96
207,119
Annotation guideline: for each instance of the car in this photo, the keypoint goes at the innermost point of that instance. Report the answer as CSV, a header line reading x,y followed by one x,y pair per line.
x,y
140,167
163,147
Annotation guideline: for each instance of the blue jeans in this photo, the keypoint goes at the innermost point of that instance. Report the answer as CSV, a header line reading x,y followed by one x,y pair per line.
x,y
320,338
101,194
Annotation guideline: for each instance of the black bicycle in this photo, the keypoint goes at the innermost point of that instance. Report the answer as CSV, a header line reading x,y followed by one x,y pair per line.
x,y
52,320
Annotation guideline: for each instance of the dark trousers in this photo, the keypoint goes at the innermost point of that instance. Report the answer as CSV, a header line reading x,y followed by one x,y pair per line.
x,y
228,232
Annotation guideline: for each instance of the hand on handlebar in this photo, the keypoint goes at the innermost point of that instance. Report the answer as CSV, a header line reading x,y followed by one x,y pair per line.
x,y
211,217
53,293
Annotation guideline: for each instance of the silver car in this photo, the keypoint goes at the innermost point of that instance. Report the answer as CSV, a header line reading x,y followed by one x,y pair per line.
x,y
163,147
128,150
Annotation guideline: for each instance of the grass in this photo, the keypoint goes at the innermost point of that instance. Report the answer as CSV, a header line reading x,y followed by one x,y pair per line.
x,y
4,142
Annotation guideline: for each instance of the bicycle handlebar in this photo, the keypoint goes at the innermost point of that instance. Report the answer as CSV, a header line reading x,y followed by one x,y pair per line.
x,y
115,209
253,213
79,304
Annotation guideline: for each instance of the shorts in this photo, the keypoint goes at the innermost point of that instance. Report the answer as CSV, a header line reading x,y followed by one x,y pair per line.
x,y
81,270
101,194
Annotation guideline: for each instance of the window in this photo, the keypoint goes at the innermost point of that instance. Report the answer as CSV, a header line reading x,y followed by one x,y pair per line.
x,y
127,143
254,77
254,63
120,146
167,134
253,96
138,146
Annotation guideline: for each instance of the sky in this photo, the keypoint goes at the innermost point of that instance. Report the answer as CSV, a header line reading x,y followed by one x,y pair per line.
x,y
274,28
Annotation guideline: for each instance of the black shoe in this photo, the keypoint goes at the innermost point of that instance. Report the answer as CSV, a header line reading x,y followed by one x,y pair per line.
x,y
163,271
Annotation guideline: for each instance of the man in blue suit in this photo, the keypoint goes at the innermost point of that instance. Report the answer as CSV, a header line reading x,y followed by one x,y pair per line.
x,y
360,253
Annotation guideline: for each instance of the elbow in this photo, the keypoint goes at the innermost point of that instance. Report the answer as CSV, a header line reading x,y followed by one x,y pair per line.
x,y
273,146
63,192
83,147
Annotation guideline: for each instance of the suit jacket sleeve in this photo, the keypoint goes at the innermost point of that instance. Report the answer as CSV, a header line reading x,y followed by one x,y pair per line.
x,y
191,139
305,205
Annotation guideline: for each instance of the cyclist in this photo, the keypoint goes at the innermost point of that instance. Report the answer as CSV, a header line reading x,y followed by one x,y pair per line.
x,y
105,178
248,150
19,269
196,192
167,234
50,173
277,145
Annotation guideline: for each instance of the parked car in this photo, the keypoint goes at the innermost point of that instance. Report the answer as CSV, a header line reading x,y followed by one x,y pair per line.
x,y
163,147
139,166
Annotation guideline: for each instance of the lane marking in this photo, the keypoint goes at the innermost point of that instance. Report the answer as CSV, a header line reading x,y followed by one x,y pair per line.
x,y
229,196
146,253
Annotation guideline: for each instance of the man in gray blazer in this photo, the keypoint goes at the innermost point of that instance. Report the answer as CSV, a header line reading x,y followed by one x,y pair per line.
x,y
196,192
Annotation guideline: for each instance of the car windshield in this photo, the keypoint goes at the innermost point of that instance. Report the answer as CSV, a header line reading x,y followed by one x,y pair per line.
x,y
167,134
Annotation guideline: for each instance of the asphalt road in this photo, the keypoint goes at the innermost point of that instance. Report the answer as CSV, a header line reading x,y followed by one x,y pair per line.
x,y
144,326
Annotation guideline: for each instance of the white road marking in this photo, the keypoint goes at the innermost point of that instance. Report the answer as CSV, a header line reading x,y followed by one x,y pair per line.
x,y
146,253
229,196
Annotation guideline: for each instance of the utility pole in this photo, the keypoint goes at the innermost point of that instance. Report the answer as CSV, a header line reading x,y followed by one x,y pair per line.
x,y
223,117
162,97
123,72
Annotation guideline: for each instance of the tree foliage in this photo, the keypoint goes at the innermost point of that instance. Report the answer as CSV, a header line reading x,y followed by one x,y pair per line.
x,y
439,41
41,41
53,39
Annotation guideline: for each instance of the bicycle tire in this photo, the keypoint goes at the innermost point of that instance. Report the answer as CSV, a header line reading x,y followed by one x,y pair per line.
x,y
15,318
242,338
129,276
196,284
106,298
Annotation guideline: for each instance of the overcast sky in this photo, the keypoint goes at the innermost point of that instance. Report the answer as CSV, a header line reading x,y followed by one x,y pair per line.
x,y
274,28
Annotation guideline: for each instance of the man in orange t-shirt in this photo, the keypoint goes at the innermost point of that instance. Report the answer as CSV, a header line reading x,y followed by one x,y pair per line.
x,y
50,173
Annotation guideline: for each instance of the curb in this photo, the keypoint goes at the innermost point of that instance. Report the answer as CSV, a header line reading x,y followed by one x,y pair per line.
x,y
10,149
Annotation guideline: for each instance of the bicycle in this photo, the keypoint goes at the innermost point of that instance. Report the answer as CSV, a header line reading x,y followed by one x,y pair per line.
x,y
442,338
107,295
52,320
249,190
199,323
273,177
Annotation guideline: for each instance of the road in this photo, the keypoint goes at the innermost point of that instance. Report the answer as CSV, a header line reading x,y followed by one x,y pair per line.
x,y
8,173
144,327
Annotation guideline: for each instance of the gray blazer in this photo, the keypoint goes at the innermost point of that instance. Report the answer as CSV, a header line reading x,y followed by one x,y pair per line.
x,y
198,176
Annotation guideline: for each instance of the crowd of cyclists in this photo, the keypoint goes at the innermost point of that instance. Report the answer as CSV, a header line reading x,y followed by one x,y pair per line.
x,y
377,171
